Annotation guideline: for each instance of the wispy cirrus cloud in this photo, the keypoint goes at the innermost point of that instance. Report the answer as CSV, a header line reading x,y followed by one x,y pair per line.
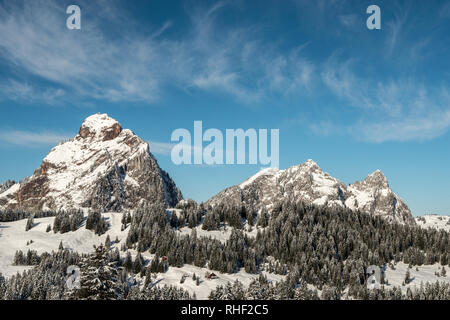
x,y
23,91
85,62
162,148
242,64
399,109
32,139
395,28
349,20
137,63
165,148
412,128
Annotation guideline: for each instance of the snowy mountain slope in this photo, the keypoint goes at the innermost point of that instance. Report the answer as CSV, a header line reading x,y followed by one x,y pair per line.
x,y
104,167
434,221
307,182
13,237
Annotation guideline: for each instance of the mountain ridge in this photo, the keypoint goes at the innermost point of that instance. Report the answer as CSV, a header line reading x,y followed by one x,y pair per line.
x,y
108,168
309,183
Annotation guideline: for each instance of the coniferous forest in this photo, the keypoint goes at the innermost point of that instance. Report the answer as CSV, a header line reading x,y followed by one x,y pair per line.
x,y
321,252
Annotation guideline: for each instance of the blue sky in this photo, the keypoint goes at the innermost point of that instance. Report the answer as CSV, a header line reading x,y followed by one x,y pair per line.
x,y
354,100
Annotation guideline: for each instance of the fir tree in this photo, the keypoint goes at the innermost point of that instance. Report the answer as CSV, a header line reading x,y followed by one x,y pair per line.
x,y
108,243
30,223
128,263
407,276
138,264
98,277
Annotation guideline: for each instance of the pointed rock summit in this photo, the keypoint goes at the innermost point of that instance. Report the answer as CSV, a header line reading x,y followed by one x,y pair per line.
x,y
374,195
100,127
307,182
311,164
104,167
376,179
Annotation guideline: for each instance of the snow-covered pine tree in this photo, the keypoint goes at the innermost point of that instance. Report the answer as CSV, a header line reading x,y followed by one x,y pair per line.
x,y
99,277
128,263
407,276
97,223
30,223
108,243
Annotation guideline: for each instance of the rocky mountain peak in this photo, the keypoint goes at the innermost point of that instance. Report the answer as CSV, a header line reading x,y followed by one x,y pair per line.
x,y
311,164
104,167
308,166
309,183
100,127
377,179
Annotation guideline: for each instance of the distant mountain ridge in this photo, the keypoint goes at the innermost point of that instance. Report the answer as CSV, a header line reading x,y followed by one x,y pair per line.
x,y
104,167
107,168
307,182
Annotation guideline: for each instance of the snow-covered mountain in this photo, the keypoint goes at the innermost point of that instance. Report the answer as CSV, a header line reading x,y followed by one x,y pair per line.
x,y
307,182
104,167
108,168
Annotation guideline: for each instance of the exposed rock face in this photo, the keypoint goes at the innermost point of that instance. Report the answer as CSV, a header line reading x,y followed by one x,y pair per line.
x,y
307,182
104,167
374,195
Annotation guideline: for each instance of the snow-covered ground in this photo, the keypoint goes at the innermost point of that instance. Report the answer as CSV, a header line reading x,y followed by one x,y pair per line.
x,y
434,221
425,274
13,237
202,291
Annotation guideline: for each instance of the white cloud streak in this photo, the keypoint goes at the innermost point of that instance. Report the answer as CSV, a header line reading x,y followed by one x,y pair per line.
x,y
413,128
395,28
136,64
162,148
402,109
32,139
23,91
348,20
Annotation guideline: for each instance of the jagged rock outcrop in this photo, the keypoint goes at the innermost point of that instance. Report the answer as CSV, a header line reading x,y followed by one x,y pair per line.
x,y
374,195
308,183
104,167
